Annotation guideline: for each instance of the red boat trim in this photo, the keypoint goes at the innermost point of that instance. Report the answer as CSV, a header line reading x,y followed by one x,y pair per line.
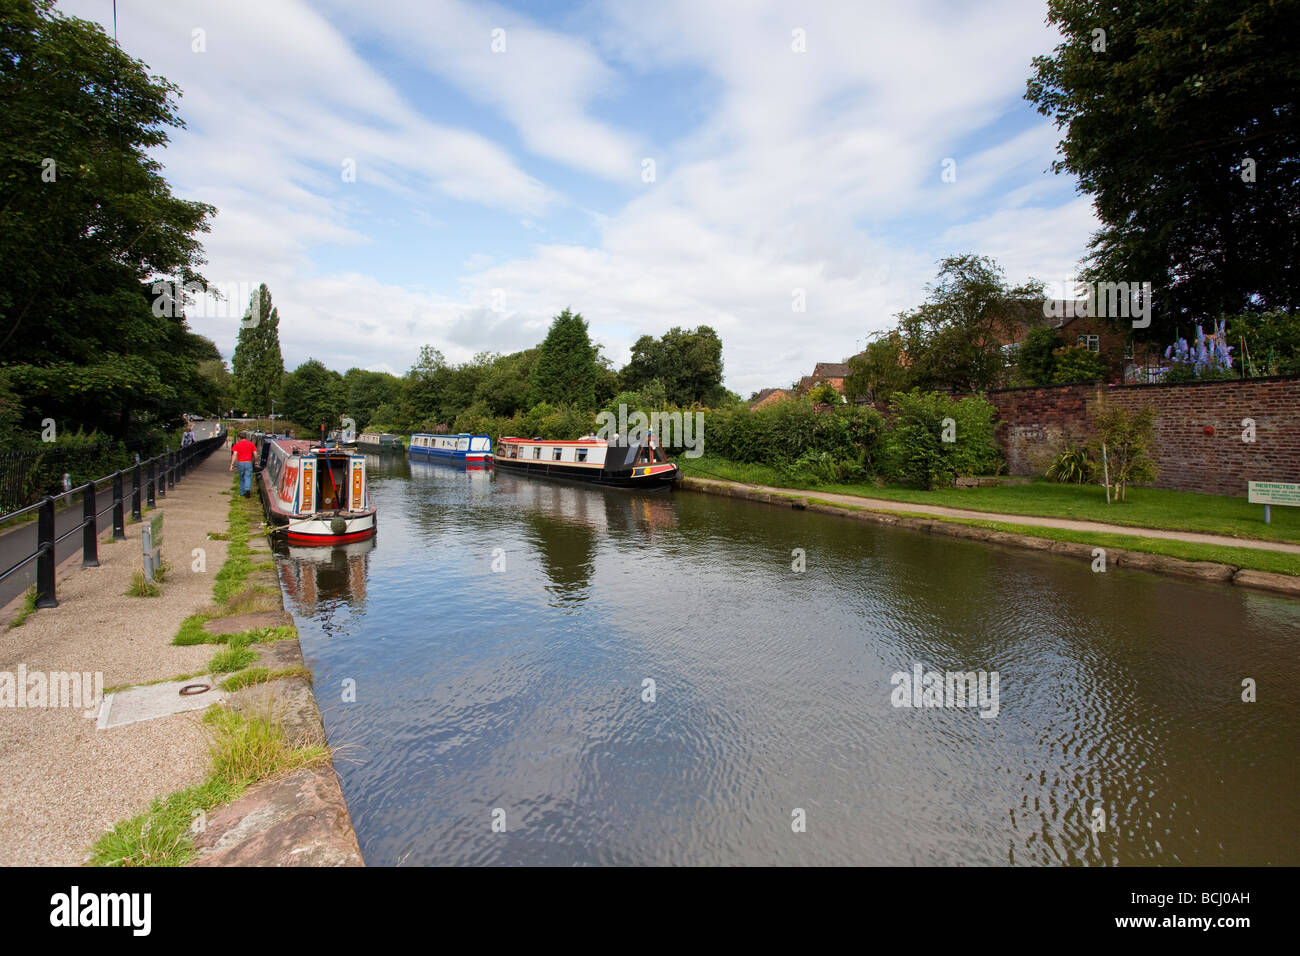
x,y
299,538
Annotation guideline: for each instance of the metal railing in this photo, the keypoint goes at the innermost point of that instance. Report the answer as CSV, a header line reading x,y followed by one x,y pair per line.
x,y
150,480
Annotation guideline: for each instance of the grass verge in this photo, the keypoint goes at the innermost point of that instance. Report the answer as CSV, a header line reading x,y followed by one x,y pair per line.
x,y
1146,508
245,749
27,609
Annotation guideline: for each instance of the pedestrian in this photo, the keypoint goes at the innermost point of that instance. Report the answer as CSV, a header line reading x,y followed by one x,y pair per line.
x,y
241,452
188,437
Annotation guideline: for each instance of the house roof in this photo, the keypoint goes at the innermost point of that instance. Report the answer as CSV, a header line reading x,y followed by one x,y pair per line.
x,y
767,393
831,370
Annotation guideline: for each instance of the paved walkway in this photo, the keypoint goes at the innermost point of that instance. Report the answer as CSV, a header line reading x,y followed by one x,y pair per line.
x,y
882,504
64,782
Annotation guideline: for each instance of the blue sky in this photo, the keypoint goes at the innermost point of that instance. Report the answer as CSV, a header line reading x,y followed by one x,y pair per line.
x,y
494,188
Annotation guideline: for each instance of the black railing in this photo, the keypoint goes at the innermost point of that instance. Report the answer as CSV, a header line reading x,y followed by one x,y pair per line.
x,y
149,480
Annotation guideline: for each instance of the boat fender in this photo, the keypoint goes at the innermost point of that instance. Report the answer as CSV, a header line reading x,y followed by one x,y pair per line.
x,y
338,525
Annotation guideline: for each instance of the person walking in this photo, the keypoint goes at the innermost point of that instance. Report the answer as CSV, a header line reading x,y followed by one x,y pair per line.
x,y
188,437
241,453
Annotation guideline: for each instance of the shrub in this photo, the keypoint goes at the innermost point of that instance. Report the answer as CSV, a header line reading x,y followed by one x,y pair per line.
x,y
1074,363
1072,465
917,450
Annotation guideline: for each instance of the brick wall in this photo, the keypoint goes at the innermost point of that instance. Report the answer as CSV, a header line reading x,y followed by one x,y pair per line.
x,y
1036,421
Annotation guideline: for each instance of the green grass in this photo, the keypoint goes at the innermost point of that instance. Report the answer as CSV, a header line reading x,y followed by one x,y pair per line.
x,y
261,675
1145,508
245,749
233,657
27,609
1253,559
192,632
142,586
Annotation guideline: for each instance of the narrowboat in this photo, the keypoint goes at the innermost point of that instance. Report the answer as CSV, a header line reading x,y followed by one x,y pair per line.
x,y
384,441
619,464
318,494
463,447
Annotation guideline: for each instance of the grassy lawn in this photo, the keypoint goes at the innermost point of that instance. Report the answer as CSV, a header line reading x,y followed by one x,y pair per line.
x,y
1145,508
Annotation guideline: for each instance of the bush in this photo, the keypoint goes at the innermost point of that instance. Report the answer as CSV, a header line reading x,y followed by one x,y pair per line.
x,y
1074,363
933,439
1072,465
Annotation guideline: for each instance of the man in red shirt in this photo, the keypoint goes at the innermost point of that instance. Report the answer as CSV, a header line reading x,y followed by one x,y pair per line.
x,y
241,453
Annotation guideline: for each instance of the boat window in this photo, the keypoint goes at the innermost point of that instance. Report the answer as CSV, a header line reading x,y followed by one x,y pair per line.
x,y
555,455
537,452
582,454
478,444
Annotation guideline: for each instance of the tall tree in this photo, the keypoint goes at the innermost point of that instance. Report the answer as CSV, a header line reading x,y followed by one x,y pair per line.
x,y
1181,120
687,361
955,338
87,222
313,396
879,370
565,372
257,364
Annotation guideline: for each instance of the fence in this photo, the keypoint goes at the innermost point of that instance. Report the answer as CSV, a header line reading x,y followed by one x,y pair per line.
x,y
150,480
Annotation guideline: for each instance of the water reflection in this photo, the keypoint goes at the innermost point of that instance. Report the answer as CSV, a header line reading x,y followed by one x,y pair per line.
x,y
316,579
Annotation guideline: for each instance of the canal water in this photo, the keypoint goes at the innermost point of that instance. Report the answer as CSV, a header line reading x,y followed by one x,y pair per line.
x,y
525,672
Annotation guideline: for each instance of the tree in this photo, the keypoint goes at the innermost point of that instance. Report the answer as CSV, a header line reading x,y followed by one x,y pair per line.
x,y
824,393
879,370
1266,343
954,339
1180,119
505,387
1036,358
313,396
688,363
365,391
565,372
1126,440
86,223
257,364
1074,363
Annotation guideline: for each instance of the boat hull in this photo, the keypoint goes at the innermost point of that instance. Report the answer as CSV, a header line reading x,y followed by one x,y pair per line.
x,y
320,529
645,478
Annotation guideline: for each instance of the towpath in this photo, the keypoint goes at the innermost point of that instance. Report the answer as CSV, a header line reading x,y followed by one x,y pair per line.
x,y
882,504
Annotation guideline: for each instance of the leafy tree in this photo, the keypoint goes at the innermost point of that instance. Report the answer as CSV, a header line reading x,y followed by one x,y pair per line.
x,y
1180,121
1127,440
1266,343
566,370
688,363
257,364
1036,357
879,370
505,386
364,391
313,396
424,384
1074,363
954,339
86,223
824,393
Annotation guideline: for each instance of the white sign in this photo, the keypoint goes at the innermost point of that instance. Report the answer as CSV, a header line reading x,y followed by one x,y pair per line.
x,y
1273,493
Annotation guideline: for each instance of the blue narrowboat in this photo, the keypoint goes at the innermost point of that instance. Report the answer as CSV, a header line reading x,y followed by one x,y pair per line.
x,y
460,448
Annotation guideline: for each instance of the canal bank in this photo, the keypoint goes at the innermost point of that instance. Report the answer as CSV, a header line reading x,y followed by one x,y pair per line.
x,y
98,755
983,526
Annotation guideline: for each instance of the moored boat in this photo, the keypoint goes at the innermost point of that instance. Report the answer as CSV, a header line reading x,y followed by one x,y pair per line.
x,y
318,494
461,448
619,464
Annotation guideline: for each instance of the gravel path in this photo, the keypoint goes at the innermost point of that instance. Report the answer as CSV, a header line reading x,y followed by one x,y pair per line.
x,y
64,782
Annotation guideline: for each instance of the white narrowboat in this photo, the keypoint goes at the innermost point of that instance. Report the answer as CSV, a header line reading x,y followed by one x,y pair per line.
x,y
318,494
625,464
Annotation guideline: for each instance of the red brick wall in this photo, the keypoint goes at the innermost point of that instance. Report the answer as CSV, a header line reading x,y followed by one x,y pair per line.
x,y
1036,421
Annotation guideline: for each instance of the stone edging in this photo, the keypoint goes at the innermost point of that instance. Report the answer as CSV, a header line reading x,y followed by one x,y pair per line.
x,y
1201,570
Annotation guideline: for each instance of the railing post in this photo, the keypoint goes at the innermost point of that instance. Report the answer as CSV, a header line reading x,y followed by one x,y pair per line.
x,y
89,527
161,490
135,492
152,488
45,563
119,515
171,469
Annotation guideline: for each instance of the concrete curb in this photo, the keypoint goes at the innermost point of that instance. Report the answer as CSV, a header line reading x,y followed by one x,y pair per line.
x,y
1200,570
